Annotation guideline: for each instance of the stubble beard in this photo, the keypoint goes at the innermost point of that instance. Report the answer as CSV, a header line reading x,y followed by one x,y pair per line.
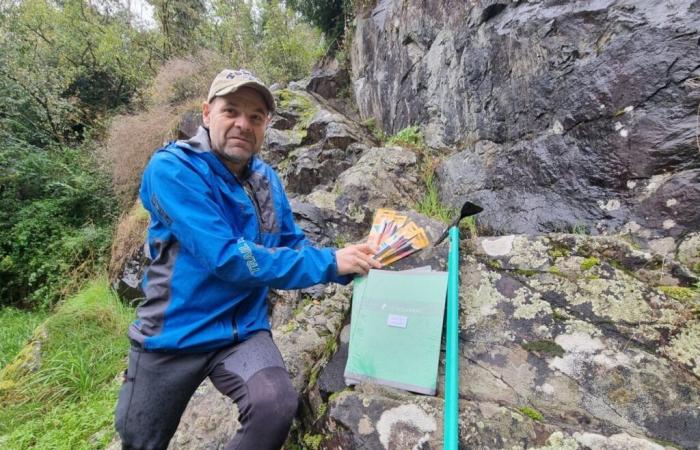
x,y
232,158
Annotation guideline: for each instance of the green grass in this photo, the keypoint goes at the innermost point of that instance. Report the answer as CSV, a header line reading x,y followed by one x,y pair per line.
x,y
408,137
376,131
16,326
431,206
72,395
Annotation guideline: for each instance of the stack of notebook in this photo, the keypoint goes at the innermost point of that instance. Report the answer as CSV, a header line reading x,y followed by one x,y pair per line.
x,y
396,329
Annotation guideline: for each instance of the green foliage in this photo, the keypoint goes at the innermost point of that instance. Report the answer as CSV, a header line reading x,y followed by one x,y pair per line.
x,y
340,241
16,326
580,229
289,48
56,218
328,15
532,413
72,395
232,31
431,206
410,137
63,67
589,263
313,441
268,39
179,21
86,425
322,409
66,64
298,104
376,131
468,226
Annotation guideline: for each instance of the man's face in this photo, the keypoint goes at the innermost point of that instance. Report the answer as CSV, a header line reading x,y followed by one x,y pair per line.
x,y
236,123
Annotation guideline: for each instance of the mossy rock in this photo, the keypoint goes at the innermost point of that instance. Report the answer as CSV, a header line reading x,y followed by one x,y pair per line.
x,y
298,104
494,264
532,413
544,346
589,263
526,272
683,294
558,250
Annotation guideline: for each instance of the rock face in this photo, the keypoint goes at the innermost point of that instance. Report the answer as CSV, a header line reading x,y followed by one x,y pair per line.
x,y
564,344
567,341
566,114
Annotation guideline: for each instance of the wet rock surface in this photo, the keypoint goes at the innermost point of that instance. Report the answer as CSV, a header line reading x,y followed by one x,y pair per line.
x,y
128,281
564,115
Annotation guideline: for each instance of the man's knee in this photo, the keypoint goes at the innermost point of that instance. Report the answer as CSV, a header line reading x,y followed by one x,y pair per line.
x,y
272,398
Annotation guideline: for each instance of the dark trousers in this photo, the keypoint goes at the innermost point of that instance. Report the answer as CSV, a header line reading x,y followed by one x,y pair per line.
x,y
158,386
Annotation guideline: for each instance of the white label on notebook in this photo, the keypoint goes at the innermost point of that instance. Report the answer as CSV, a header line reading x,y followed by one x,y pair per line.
x,y
396,320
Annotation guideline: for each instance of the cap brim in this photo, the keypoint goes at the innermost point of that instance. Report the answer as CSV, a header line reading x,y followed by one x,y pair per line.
x,y
265,92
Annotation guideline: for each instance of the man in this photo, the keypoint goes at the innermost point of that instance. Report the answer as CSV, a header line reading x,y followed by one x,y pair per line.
x,y
221,234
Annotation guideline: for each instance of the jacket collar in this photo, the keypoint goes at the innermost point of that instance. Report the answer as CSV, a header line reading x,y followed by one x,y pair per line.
x,y
201,143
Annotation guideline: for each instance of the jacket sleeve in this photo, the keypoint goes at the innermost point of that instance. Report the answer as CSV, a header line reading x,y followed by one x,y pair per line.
x,y
177,195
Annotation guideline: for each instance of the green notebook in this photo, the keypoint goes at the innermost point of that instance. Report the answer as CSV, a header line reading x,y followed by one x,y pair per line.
x,y
396,329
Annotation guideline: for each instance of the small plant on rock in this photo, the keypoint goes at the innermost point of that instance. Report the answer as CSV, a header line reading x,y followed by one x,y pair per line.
x,y
410,137
532,413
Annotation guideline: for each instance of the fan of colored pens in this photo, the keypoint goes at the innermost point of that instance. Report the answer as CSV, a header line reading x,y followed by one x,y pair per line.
x,y
395,236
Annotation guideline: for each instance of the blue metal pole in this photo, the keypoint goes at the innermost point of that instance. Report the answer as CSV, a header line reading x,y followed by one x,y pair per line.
x,y
451,419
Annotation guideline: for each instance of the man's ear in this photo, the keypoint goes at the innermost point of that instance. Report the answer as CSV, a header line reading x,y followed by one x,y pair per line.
x,y
205,114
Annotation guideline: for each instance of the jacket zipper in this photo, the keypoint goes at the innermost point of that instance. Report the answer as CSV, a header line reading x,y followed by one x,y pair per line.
x,y
249,192
235,329
258,216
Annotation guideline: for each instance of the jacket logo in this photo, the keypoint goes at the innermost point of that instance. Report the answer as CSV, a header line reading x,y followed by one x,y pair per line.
x,y
161,212
247,253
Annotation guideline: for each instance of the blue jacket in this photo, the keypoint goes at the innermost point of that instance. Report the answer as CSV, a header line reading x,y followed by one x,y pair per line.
x,y
217,244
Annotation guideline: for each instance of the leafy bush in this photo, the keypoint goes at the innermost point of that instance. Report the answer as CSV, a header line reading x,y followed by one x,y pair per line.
x,y
67,65
56,219
270,40
289,47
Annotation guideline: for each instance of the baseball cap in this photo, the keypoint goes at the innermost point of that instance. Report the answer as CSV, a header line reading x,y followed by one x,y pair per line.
x,y
228,81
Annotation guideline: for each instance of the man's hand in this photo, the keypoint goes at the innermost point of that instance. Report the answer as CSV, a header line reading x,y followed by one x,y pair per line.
x,y
356,259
